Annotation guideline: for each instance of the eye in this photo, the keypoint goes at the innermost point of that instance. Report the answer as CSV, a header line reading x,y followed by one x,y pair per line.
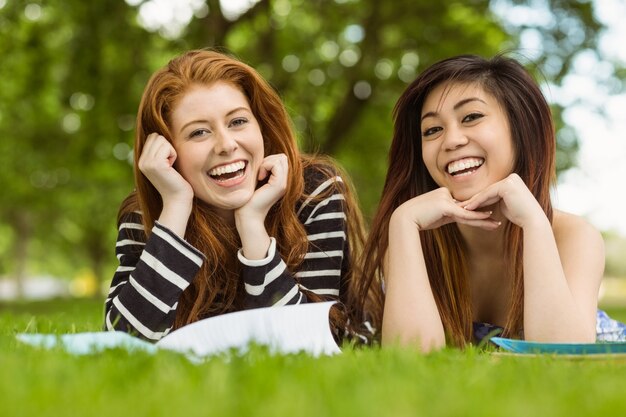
x,y
198,133
472,117
240,121
431,131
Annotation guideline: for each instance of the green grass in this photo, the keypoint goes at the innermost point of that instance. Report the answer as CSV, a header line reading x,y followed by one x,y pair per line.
x,y
356,383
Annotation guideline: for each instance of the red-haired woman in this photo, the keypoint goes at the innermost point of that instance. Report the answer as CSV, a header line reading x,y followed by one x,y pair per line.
x,y
227,214
465,235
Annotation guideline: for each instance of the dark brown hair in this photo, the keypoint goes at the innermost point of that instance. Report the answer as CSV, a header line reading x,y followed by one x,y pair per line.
x,y
532,132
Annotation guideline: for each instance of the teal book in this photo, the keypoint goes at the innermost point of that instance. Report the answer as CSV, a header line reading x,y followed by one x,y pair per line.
x,y
522,346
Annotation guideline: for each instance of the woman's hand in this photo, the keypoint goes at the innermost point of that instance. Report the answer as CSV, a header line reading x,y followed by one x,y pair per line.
x,y
516,201
276,167
437,208
250,218
157,164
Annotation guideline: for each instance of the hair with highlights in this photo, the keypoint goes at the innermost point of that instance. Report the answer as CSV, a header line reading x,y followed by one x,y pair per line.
x,y
533,136
218,289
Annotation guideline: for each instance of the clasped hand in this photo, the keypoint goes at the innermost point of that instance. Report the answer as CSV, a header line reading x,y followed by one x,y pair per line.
x,y
438,207
274,168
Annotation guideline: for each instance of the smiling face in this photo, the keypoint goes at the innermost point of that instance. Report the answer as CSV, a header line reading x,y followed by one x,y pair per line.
x,y
466,139
219,145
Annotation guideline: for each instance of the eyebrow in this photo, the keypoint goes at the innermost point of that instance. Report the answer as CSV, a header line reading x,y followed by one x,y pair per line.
x,y
456,106
235,110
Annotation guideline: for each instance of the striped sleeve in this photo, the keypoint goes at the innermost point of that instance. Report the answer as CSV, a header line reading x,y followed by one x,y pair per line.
x,y
268,282
151,276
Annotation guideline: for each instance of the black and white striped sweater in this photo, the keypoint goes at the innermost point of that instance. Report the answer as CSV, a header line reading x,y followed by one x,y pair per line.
x,y
153,272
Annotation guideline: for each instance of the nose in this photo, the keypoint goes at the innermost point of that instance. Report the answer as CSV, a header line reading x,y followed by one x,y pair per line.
x,y
226,143
454,138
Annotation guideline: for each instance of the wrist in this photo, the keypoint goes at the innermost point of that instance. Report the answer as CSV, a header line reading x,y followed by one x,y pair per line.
x,y
181,206
271,252
175,217
402,220
537,223
248,222
255,240
255,246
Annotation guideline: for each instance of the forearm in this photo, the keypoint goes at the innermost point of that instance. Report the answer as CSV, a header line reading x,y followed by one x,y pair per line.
x,y
551,313
255,241
269,281
149,281
175,216
411,316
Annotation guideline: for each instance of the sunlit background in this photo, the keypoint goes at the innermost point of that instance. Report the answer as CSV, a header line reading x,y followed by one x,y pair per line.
x,y
340,65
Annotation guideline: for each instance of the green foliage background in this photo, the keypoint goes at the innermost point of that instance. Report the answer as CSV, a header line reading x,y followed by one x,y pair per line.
x,y
73,72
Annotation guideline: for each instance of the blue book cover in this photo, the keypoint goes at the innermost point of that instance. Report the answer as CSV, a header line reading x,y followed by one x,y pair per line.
x,y
522,346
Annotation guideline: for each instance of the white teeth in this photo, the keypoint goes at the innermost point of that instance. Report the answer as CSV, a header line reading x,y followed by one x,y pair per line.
x,y
462,164
227,169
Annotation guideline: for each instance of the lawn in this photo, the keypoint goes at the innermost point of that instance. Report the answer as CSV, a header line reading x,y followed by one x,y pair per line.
x,y
356,383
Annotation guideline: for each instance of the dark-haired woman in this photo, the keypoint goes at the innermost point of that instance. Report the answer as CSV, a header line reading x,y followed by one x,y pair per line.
x,y
465,236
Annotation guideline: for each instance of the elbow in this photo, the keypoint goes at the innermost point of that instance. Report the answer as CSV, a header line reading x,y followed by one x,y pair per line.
x,y
588,335
413,330
581,335
422,341
432,344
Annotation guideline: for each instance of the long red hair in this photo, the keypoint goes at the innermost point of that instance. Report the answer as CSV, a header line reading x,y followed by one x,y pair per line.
x,y
218,289
532,132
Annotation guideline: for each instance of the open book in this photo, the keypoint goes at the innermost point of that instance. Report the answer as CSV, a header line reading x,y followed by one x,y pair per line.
x,y
289,329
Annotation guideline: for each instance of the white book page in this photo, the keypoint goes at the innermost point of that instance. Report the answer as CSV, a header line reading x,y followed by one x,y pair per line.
x,y
288,329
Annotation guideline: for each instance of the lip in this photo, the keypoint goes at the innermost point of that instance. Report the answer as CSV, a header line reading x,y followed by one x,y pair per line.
x,y
232,182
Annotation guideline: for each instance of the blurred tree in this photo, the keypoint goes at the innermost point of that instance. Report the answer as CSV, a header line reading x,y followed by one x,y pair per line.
x,y
70,90
110,61
67,118
31,134
341,65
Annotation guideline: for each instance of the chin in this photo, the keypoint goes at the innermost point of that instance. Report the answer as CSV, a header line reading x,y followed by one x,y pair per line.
x,y
230,202
238,200
461,195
